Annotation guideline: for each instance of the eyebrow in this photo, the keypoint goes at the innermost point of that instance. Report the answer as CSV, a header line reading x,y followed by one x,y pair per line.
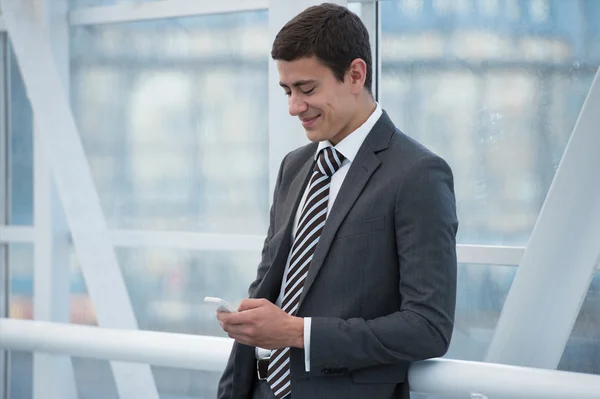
x,y
298,83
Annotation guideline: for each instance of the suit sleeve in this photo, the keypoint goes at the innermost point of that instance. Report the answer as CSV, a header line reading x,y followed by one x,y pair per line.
x,y
226,382
425,228
266,260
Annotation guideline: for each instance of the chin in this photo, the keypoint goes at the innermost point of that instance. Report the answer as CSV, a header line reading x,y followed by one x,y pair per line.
x,y
316,136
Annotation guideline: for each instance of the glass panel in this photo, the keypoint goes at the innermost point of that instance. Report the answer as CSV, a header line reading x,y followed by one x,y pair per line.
x,y
355,8
495,88
94,379
363,11
582,353
20,265
20,148
481,292
167,287
174,120
167,290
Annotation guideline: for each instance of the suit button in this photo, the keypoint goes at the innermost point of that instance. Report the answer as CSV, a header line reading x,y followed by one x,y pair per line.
x,y
326,371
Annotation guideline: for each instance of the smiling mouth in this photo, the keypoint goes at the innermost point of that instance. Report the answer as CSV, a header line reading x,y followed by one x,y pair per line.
x,y
309,122
310,119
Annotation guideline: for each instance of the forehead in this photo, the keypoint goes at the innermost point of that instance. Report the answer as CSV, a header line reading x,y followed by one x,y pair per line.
x,y
303,69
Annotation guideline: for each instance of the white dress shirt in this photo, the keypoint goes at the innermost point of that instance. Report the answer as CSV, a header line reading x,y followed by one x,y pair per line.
x,y
348,147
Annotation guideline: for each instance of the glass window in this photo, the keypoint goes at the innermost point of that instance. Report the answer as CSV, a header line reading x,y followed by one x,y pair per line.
x,y
174,121
494,88
20,147
167,290
481,292
20,305
582,353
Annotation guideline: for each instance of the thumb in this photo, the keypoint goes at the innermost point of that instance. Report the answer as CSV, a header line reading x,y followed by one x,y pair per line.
x,y
248,304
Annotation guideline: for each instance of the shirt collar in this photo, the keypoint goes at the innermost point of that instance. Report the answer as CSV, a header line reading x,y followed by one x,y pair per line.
x,y
350,145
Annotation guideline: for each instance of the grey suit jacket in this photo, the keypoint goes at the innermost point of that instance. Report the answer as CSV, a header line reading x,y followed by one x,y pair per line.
x,y
381,288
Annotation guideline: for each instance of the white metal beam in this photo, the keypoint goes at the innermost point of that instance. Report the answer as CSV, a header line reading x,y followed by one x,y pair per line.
x,y
52,374
186,240
437,377
489,255
477,380
563,253
72,175
474,254
16,234
185,351
160,10
285,131
167,9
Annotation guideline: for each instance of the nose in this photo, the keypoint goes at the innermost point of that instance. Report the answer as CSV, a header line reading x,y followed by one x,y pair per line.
x,y
296,105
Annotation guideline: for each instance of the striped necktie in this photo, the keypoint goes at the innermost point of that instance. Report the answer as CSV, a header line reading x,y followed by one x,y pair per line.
x,y
310,225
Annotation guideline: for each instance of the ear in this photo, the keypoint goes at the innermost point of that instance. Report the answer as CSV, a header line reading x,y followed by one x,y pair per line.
x,y
358,74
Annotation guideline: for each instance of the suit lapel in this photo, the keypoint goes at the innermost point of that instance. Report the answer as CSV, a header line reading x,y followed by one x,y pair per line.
x,y
358,175
271,284
361,169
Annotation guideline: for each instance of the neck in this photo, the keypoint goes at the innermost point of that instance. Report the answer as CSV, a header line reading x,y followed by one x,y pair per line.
x,y
366,107
365,110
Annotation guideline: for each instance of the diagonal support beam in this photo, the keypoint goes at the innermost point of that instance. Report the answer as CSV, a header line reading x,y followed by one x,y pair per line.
x,y
29,33
52,374
561,258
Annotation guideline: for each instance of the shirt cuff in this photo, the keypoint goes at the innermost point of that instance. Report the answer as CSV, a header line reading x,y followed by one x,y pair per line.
x,y
307,323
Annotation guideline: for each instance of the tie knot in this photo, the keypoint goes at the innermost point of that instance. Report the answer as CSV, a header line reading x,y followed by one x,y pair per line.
x,y
329,161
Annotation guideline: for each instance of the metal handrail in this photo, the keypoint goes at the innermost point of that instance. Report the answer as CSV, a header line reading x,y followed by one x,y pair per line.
x,y
442,377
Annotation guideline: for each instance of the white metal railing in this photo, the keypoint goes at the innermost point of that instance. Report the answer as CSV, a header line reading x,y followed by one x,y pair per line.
x,y
443,377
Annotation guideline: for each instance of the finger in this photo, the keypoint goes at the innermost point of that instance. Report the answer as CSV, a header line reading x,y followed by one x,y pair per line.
x,y
240,333
242,340
229,316
222,316
238,319
252,304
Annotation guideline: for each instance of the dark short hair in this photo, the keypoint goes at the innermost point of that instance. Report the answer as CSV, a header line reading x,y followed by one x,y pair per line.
x,y
332,33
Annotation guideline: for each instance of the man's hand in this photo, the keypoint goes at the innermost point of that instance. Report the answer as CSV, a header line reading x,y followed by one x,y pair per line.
x,y
261,323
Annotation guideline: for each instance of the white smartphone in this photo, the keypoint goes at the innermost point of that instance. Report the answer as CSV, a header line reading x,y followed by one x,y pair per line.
x,y
222,306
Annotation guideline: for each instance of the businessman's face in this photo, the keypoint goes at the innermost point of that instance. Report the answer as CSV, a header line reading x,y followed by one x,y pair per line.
x,y
325,106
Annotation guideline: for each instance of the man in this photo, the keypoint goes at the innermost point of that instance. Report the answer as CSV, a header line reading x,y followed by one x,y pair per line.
x,y
358,270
